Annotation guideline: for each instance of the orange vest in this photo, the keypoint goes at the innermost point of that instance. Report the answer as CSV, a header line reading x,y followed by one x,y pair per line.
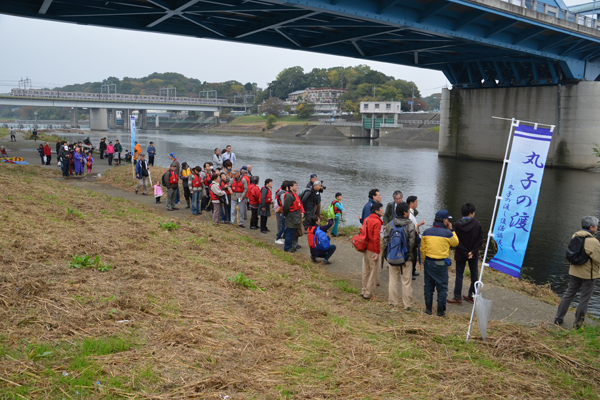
x,y
297,204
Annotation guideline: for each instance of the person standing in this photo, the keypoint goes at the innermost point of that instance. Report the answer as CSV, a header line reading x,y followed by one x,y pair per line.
x,y
141,172
266,198
175,162
279,198
65,160
292,211
58,147
102,148
583,276
206,175
48,153
151,153
309,201
338,208
78,159
225,207
372,226
195,182
401,273
254,201
435,248
215,193
34,133
470,237
13,138
137,150
110,152
374,197
239,187
185,174
217,158
40,151
228,155
171,180
118,150
413,203
390,209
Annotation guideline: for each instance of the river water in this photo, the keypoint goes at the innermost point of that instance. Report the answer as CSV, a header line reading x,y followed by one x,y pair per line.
x,y
355,166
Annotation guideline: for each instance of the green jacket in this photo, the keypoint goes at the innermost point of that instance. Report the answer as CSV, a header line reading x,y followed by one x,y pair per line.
x,y
118,148
591,268
293,220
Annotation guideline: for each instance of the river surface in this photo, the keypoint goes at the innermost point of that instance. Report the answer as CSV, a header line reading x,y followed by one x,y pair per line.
x,y
355,166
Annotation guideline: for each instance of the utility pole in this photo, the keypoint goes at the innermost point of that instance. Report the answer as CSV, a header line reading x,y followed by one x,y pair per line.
x,y
412,102
107,87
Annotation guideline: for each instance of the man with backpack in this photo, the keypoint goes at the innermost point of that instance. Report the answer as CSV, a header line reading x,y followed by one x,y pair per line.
x,y
398,243
435,249
310,198
372,230
171,181
318,242
470,236
583,255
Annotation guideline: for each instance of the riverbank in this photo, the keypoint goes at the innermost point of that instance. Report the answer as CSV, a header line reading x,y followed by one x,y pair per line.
x,y
170,319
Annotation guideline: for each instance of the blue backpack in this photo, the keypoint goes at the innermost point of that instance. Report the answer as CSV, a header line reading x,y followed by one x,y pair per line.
x,y
321,240
397,248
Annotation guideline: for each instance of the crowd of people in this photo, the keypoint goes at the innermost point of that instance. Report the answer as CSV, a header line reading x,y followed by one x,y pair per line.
x,y
392,234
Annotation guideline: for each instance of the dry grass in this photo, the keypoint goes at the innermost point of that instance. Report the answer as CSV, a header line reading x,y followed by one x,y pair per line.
x,y
166,323
122,176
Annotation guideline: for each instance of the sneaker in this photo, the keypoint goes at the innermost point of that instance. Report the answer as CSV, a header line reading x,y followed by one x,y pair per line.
x,y
241,225
298,247
254,227
428,311
136,191
290,251
265,232
325,262
416,273
175,208
441,314
313,259
280,241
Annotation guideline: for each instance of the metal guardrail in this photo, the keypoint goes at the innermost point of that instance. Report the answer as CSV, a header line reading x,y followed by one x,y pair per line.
x,y
337,123
418,122
556,12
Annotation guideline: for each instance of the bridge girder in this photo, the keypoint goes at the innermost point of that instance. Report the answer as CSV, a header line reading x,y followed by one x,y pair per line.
x,y
474,43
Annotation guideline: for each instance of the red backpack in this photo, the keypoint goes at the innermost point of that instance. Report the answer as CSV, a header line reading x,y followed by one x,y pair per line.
x,y
359,242
173,178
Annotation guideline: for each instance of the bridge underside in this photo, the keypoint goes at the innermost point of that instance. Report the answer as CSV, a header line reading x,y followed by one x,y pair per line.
x,y
484,43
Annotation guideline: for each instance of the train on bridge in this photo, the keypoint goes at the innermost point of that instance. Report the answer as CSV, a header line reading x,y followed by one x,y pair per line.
x,y
138,98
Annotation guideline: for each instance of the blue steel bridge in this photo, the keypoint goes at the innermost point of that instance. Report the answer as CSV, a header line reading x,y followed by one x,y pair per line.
x,y
477,43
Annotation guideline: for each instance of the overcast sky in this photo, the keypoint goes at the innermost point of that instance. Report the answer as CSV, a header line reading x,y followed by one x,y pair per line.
x,y
56,54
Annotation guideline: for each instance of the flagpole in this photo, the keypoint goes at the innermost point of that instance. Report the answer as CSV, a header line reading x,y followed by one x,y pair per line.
x,y
132,128
479,284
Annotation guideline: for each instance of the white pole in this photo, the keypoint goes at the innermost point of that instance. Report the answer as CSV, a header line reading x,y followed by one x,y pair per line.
x,y
132,126
479,283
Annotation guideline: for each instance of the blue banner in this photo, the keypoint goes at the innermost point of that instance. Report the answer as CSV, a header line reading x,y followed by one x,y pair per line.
x,y
132,124
519,197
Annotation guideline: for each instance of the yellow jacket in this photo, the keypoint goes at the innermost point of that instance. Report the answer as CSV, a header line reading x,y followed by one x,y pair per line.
x,y
436,242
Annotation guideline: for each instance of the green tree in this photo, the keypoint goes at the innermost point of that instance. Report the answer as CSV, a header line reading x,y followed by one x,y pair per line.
x,y
271,120
273,106
305,110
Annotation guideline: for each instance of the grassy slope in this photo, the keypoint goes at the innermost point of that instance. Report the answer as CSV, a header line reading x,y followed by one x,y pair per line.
x,y
190,332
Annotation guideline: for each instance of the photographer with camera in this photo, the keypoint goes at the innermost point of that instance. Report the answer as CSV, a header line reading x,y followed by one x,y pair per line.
x,y
310,200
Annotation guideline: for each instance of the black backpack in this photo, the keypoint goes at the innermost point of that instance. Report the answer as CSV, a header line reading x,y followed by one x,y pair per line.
x,y
576,254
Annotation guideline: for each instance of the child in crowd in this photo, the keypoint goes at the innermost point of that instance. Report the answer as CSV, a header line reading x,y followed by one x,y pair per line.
x,y
89,162
338,207
158,192
2,151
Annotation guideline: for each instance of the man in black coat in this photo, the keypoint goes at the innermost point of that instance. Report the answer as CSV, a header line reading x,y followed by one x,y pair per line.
x,y
310,199
470,236
102,147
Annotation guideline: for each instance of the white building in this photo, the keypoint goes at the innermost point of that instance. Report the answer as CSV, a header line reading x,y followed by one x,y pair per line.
x,y
379,114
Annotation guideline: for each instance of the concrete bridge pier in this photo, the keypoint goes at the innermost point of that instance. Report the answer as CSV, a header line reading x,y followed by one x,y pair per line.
x,y
98,119
74,117
112,121
143,119
467,129
126,123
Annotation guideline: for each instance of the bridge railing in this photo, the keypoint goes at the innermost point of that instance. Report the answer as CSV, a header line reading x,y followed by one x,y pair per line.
x,y
556,12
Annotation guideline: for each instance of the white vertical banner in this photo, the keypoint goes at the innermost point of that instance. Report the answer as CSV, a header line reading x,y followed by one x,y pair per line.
x,y
132,124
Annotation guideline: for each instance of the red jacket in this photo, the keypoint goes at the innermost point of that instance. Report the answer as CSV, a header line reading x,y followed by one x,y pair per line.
x,y
47,150
253,194
373,226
